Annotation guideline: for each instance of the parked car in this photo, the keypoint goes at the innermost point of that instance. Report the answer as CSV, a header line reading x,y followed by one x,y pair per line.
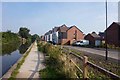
x,y
81,43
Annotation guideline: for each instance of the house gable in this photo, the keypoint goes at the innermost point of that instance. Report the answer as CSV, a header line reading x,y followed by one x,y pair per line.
x,y
89,37
63,28
113,26
73,33
113,34
75,27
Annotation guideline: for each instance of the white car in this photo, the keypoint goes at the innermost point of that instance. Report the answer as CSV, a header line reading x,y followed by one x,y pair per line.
x,y
82,43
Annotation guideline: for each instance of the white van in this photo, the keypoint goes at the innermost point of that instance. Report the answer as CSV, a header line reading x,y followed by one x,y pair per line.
x,y
82,43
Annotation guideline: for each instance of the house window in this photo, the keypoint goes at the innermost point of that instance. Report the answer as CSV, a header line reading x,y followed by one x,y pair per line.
x,y
75,35
62,35
49,37
59,35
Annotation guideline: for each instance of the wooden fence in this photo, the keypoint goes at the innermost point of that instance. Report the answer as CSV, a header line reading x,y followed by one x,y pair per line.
x,y
87,64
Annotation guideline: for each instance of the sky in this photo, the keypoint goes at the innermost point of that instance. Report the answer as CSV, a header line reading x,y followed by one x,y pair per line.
x,y
40,17
59,0
119,11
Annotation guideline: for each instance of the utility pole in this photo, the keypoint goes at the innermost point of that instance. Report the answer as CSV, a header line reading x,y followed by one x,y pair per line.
x,y
106,34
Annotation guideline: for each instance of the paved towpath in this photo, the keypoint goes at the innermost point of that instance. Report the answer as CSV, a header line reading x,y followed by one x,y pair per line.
x,y
33,63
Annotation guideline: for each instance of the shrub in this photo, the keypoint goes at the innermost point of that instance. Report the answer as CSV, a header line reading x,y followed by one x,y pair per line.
x,y
41,47
54,65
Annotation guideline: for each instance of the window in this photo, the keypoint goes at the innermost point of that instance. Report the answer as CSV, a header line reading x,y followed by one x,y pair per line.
x,y
59,35
75,35
62,35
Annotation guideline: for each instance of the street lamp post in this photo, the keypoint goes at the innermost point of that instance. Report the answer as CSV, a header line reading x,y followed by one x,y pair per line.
x,y
106,34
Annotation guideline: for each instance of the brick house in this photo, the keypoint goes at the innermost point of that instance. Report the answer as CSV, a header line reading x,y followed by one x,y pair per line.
x,y
94,39
74,34
102,35
68,35
64,35
113,34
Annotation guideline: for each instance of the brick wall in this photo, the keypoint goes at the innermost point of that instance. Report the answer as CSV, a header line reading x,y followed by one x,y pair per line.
x,y
73,34
113,35
91,39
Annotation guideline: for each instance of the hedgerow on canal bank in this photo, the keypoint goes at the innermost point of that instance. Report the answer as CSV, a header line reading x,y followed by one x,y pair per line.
x,y
8,40
53,63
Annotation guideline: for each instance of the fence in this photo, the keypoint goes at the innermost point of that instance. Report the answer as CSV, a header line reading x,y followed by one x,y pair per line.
x,y
87,64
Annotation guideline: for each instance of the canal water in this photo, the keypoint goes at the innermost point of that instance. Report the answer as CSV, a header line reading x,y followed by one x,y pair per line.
x,y
10,55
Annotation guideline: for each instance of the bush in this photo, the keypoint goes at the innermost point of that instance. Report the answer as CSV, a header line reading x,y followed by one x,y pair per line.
x,y
54,65
52,70
41,47
48,49
9,38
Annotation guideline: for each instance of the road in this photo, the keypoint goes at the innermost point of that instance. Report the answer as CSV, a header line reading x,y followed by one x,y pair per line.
x,y
99,51
33,63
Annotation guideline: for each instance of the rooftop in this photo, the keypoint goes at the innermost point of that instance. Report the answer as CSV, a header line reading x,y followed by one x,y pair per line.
x,y
95,35
117,23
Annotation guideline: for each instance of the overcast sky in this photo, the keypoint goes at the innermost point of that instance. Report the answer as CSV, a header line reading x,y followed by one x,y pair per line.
x,y
40,17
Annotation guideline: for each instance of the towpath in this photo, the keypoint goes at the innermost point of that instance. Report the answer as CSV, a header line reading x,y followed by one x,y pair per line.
x,y
33,63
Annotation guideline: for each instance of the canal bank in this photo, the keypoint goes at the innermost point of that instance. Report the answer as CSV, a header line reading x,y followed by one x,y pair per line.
x,y
33,63
8,74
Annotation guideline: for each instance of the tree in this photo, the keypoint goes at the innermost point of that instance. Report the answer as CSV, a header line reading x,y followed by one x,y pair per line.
x,y
8,31
35,37
24,32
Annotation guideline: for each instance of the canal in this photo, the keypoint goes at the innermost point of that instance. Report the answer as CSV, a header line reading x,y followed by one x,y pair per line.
x,y
10,55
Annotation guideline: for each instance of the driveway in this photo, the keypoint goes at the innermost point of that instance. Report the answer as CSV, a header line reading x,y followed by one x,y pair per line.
x,y
99,51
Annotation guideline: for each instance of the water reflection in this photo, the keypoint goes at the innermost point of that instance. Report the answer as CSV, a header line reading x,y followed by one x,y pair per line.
x,y
10,54
9,60
23,47
9,48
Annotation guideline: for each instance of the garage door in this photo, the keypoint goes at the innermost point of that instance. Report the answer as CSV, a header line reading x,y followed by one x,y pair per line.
x,y
97,42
